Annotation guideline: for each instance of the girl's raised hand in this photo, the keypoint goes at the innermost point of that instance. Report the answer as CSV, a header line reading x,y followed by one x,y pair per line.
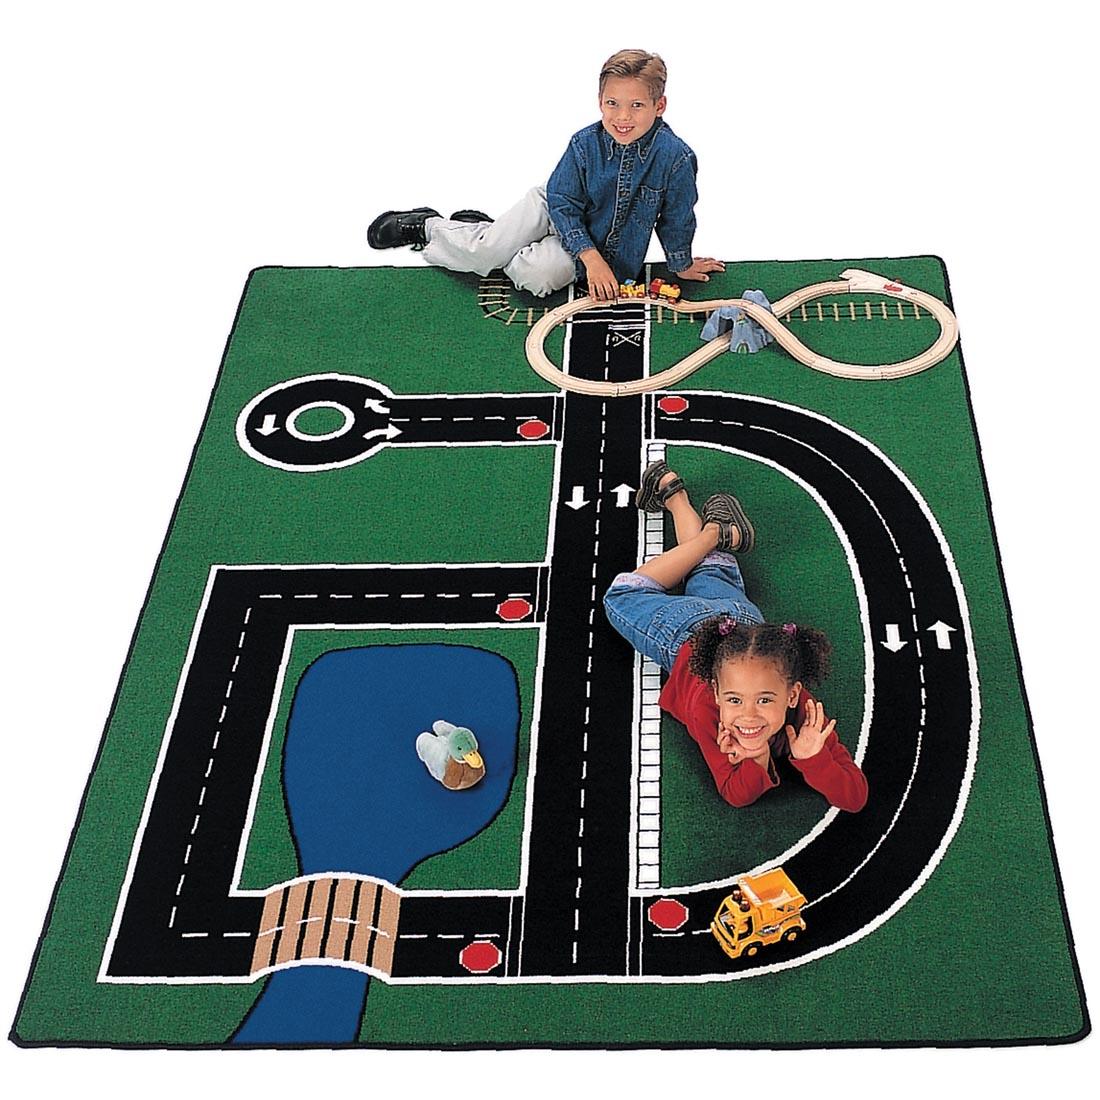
x,y
811,738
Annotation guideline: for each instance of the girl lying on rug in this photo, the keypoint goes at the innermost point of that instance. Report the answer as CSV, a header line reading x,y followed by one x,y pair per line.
x,y
737,683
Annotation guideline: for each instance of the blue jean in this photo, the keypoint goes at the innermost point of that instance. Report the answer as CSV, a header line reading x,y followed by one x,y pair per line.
x,y
657,623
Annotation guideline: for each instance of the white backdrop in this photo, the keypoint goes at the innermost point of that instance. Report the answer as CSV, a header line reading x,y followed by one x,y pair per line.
x,y
156,153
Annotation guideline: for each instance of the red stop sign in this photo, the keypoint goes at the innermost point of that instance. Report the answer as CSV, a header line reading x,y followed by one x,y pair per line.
x,y
668,914
480,957
533,429
511,611
673,405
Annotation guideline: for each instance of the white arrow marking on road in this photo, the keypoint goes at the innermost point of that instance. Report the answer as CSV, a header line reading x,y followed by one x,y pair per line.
x,y
389,431
376,406
577,501
893,638
622,495
268,426
943,634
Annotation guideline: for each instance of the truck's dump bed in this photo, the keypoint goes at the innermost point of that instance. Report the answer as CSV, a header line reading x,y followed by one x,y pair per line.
x,y
772,888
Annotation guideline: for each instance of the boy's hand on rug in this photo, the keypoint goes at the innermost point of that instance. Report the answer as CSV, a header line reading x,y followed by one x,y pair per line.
x,y
602,284
700,265
810,740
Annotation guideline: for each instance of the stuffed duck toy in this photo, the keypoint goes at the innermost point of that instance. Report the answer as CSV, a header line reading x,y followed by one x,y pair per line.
x,y
450,754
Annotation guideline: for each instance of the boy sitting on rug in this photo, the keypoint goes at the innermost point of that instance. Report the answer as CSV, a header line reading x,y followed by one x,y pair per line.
x,y
620,179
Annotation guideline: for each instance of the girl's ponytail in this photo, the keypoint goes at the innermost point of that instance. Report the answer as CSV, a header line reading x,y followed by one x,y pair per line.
x,y
709,637
814,652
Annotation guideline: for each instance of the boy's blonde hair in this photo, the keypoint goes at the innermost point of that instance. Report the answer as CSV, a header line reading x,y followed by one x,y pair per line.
x,y
646,67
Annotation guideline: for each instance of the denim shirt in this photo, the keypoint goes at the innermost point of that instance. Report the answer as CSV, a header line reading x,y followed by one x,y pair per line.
x,y
611,197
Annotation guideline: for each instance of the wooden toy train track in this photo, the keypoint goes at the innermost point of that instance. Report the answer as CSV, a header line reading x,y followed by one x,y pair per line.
x,y
851,281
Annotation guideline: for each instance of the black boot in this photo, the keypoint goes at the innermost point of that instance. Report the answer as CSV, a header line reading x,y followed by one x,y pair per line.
x,y
395,228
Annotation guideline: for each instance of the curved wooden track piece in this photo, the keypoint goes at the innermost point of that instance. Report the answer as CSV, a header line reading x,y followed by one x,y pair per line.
x,y
851,281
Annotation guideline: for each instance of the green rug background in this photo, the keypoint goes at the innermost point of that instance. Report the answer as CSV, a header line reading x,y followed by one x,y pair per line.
x,y
953,966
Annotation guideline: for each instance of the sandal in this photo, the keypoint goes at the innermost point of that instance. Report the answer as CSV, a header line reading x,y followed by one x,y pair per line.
x,y
651,496
725,510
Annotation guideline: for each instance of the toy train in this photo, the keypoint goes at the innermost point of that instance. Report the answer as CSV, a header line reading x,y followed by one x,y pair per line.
x,y
670,292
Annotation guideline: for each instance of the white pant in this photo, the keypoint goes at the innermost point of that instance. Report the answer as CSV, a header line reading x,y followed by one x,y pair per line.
x,y
522,241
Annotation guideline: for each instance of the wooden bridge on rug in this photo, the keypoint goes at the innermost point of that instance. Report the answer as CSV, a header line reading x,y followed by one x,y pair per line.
x,y
341,919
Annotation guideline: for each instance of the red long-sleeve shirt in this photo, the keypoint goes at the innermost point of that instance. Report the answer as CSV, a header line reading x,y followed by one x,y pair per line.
x,y
830,771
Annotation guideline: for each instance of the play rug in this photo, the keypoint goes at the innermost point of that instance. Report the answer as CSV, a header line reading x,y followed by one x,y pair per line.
x,y
410,492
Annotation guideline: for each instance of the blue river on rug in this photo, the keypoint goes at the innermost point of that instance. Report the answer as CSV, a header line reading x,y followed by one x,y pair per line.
x,y
360,801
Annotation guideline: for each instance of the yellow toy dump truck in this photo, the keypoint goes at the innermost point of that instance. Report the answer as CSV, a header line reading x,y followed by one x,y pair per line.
x,y
761,909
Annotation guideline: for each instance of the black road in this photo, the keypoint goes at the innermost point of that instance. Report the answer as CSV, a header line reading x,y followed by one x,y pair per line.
x,y
575,910
921,710
576,915
366,416
178,916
